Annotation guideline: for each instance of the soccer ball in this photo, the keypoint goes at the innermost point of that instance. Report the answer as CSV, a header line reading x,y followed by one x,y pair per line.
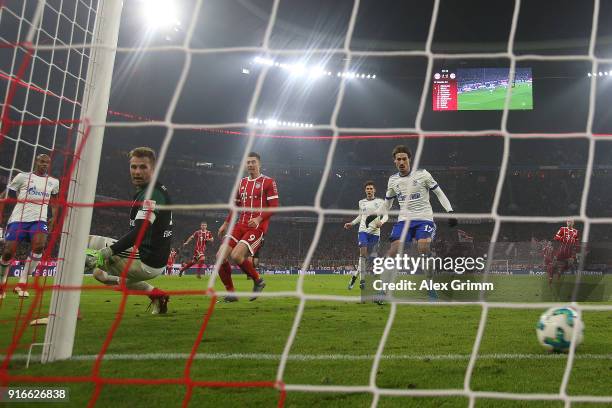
x,y
556,328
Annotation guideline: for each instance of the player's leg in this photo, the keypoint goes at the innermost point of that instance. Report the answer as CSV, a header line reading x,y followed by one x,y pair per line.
x,y
362,242
136,279
225,269
16,232
188,265
400,228
564,266
38,238
136,274
424,234
550,270
248,246
10,247
394,249
200,265
362,266
372,252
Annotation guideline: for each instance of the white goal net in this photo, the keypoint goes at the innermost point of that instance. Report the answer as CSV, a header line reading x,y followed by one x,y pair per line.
x,y
49,85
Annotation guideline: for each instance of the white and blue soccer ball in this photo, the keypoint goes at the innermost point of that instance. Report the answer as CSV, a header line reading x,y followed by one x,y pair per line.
x,y
556,327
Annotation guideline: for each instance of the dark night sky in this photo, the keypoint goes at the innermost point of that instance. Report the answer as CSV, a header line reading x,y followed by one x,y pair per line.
x,y
217,92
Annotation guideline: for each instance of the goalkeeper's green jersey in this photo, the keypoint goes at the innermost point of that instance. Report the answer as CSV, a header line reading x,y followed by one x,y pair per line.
x,y
155,246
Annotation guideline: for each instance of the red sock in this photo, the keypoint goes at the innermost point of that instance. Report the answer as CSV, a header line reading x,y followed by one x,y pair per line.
x,y
248,268
187,266
225,273
200,266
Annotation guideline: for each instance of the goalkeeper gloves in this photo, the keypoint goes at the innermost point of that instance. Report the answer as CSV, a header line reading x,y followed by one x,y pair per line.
x,y
97,258
452,222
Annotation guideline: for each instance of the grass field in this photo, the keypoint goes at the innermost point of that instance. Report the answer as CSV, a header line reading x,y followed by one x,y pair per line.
x,y
484,99
428,348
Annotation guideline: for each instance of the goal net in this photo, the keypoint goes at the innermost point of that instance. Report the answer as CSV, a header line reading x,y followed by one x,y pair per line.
x,y
170,88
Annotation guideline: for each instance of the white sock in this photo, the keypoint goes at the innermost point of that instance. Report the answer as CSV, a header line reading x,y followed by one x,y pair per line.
x,y
358,270
363,263
4,271
30,267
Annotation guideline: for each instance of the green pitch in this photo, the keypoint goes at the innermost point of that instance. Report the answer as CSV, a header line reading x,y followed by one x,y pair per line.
x,y
428,348
484,99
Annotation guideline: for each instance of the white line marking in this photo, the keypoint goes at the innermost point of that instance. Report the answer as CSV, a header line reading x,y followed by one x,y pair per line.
x,y
326,357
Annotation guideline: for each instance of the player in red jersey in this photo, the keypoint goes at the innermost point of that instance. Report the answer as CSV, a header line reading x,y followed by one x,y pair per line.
x,y
255,191
170,263
201,237
548,252
566,245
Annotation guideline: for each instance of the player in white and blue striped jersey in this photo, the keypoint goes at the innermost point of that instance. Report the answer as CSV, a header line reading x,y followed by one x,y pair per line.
x,y
372,216
411,188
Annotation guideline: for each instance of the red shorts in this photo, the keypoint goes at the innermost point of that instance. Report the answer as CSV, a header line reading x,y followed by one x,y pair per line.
x,y
564,255
198,255
252,237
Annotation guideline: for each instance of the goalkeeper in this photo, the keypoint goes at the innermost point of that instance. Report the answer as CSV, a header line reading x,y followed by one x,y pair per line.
x,y
369,221
108,258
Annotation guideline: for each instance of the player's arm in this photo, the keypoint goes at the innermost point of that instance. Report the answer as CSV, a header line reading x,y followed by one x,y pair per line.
x,y
389,197
271,194
54,211
559,235
5,206
355,221
188,239
385,216
144,218
442,198
10,194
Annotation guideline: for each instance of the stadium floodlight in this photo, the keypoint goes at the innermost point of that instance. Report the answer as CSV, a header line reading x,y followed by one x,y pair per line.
x,y
297,69
600,73
263,61
246,71
589,74
317,72
605,72
160,13
373,76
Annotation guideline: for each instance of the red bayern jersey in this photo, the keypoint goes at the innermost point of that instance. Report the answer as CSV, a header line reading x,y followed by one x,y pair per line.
x,y
254,194
568,237
201,237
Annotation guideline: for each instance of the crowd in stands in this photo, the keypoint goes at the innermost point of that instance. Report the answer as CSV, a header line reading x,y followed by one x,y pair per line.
x,y
539,181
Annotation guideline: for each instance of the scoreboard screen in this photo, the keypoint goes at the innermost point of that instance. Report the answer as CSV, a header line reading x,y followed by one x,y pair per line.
x,y
481,89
